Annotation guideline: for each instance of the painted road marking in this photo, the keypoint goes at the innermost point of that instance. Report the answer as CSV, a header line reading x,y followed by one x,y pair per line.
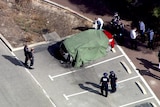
x,y
43,90
71,95
53,77
126,67
104,61
141,87
83,92
136,102
134,67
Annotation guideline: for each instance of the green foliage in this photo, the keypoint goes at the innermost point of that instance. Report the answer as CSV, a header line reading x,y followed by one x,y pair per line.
x,y
156,12
129,1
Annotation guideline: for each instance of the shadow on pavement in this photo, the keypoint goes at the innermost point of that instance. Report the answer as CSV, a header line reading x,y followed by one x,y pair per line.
x,y
148,73
54,50
87,88
13,60
93,84
148,64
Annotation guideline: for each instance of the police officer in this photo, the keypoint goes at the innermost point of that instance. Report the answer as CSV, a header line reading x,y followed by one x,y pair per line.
x,y
113,79
26,53
31,58
104,84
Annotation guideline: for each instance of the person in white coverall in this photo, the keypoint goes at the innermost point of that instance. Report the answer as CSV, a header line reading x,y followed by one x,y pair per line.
x,y
98,23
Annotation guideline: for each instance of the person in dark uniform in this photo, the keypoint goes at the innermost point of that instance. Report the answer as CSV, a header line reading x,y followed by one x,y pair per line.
x,y
104,84
113,79
31,57
26,53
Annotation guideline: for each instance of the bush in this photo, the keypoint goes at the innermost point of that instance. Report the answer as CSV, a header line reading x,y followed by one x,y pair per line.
x,y
156,12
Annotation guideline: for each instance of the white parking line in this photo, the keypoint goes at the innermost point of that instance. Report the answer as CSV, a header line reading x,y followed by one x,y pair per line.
x,y
44,91
67,96
83,92
128,79
134,67
136,102
52,77
104,61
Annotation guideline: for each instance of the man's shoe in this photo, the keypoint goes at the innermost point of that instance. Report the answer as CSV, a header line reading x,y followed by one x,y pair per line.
x,y
30,67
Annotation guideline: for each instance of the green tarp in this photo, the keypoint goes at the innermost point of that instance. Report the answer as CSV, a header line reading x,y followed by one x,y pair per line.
x,y
87,46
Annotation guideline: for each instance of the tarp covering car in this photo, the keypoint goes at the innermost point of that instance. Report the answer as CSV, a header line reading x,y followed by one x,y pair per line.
x,y
87,46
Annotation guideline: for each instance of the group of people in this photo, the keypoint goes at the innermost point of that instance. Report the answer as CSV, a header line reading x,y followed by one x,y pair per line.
x,y
134,33
98,23
105,80
28,56
116,24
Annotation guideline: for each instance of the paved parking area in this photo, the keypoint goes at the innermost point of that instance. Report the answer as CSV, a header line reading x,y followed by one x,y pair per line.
x,y
17,88
71,87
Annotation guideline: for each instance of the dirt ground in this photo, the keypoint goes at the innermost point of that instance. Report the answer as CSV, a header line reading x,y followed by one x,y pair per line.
x,y
26,21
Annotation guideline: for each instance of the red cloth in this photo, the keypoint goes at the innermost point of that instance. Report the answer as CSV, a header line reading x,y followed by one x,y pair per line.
x,y
109,35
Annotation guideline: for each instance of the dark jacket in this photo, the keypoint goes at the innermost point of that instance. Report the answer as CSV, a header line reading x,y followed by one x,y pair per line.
x,y
104,80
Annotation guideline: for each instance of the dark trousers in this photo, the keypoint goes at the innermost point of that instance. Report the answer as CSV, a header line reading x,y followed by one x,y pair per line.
x,y
113,86
98,26
133,43
142,36
150,44
104,87
31,61
26,59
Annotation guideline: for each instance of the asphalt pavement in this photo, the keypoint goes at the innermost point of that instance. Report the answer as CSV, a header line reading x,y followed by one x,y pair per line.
x,y
70,87
51,84
144,59
17,87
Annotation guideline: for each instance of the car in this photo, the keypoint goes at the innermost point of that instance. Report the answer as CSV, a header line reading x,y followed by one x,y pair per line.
x,y
86,46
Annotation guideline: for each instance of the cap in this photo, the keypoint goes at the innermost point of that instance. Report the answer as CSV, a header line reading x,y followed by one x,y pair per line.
x,y
105,74
112,72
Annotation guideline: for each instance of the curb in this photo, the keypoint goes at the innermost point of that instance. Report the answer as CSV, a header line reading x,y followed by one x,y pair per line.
x,y
50,2
66,8
6,42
